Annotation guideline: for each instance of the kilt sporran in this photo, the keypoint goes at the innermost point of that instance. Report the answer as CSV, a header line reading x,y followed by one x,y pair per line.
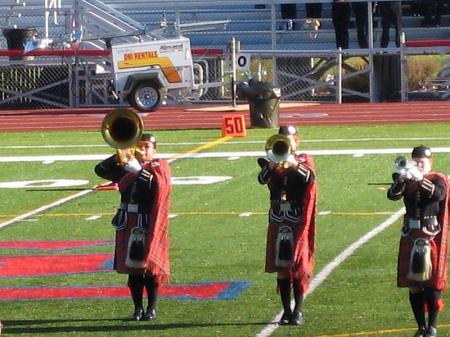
x,y
420,265
136,251
284,247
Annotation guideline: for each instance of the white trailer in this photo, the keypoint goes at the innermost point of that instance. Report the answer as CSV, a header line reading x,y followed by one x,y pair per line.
x,y
144,72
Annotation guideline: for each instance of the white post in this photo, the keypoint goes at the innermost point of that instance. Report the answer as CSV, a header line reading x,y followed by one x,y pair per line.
x,y
372,86
403,75
339,78
234,71
47,15
273,16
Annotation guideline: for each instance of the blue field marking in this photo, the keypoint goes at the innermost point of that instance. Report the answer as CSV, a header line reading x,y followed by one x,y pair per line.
x,y
234,290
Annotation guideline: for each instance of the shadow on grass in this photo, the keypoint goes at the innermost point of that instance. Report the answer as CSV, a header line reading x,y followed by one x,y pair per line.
x,y
29,326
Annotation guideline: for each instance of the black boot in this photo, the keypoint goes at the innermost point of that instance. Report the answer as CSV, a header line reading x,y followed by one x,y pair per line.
x,y
431,332
297,316
284,285
136,286
432,297
138,314
417,302
420,332
151,285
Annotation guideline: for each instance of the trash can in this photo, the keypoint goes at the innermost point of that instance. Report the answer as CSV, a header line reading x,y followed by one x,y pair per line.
x,y
387,78
16,38
264,101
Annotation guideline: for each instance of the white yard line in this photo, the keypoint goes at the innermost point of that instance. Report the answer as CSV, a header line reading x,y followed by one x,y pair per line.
x,y
320,277
45,207
87,191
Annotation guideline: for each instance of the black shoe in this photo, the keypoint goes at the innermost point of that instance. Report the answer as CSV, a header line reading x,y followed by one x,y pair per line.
x,y
420,332
137,315
297,318
431,332
150,315
286,318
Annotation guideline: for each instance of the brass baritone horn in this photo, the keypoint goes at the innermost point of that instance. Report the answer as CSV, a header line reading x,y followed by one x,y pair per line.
x,y
121,129
401,163
278,148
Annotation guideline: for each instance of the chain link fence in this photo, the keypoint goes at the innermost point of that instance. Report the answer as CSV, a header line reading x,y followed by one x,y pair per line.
x,y
302,76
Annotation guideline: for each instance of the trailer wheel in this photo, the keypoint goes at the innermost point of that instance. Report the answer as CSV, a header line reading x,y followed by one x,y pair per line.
x,y
146,96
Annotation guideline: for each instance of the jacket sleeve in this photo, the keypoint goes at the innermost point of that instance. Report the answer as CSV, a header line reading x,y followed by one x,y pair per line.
x,y
433,189
395,192
109,169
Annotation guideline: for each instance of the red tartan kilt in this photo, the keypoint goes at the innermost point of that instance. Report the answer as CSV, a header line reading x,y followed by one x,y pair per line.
x,y
406,245
120,254
272,233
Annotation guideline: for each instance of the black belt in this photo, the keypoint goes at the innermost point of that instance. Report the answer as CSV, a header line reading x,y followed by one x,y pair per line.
x,y
429,221
429,225
278,202
133,208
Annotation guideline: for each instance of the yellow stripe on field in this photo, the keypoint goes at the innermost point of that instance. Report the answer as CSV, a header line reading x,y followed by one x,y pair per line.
x,y
381,332
37,212
361,213
202,147
197,213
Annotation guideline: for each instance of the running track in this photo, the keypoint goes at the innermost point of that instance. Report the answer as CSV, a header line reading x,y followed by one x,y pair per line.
x,y
200,117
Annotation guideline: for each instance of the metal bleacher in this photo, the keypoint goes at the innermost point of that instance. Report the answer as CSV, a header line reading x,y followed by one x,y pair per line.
x,y
257,29
254,27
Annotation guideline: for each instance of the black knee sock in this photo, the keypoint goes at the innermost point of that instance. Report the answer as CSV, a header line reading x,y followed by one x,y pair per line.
x,y
151,285
432,296
285,293
136,285
418,307
298,295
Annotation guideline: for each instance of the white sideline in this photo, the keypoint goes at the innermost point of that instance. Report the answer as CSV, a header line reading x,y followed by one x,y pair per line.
x,y
234,142
326,271
97,157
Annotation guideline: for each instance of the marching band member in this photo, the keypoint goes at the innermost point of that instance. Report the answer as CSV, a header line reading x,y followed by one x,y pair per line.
x,y
422,258
291,231
141,222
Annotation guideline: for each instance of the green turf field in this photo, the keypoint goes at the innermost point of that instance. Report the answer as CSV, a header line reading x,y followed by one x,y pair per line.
x,y
218,233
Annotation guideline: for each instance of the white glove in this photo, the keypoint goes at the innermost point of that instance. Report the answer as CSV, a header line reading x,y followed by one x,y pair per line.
x,y
405,174
132,166
291,160
415,173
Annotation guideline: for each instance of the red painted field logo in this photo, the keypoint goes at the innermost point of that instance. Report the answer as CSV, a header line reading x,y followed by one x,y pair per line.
x,y
51,265
46,265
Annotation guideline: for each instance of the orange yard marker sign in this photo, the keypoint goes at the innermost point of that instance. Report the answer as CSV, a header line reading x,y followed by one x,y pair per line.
x,y
233,125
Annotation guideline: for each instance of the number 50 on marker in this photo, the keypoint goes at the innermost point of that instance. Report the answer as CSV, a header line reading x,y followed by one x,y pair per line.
x,y
233,125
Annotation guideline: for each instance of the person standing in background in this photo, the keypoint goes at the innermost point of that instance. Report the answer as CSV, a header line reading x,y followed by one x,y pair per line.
x,y
340,15
289,15
391,15
362,22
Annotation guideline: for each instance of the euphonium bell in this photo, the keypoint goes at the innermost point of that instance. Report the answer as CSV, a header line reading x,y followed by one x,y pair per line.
x,y
278,148
121,129
403,163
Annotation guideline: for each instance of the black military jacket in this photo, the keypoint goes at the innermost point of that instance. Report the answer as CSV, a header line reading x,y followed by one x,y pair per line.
x,y
421,198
